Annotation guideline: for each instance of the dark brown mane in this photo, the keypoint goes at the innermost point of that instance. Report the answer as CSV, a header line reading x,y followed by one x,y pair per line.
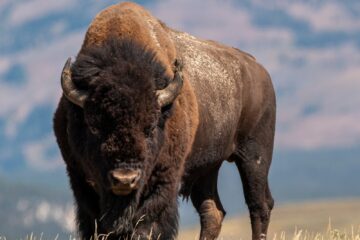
x,y
122,77
116,58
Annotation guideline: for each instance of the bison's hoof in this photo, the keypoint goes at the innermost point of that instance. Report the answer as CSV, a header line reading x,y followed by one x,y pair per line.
x,y
262,236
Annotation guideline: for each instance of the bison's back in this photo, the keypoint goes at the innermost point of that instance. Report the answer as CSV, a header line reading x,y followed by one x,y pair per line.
x,y
230,87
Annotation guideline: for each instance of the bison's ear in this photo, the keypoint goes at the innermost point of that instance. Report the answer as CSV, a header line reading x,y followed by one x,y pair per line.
x,y
70,91
167,95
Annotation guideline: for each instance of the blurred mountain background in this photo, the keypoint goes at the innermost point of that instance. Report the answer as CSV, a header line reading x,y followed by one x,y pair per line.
x,y
311,49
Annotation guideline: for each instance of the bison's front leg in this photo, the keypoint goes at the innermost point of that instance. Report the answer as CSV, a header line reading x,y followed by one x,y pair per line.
x,y
158,212
86,204
161,226
206,200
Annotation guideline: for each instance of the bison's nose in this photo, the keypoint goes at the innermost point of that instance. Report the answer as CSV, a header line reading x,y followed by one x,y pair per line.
x,y
124,181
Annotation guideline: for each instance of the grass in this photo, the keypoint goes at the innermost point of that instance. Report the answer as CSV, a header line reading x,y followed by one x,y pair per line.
x,y
331,234
322,220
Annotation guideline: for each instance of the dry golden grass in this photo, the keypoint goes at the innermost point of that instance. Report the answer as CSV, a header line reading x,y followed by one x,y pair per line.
x,y
321,220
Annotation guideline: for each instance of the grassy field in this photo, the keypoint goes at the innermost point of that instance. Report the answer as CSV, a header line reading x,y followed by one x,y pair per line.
x,y
320,220
335,220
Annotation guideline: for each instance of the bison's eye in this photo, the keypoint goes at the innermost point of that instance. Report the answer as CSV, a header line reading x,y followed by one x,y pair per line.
x,y
95,131
91,182
148,131
166,110
165,114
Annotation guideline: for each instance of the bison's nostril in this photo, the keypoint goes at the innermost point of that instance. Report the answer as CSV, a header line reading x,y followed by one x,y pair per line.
x,y
124,178
133,180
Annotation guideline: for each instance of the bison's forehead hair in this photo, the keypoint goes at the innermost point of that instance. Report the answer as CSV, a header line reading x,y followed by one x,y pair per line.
x,y
120,62
121,109
121,77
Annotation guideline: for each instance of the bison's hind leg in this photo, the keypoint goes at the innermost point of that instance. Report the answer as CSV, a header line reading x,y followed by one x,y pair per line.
x,y
205,198
253,167
253,159
253,156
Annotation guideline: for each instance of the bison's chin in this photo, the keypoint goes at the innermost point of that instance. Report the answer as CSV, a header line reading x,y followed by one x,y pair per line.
x,y
122,191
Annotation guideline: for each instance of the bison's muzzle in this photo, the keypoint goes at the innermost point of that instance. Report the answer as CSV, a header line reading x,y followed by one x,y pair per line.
x,y
124,181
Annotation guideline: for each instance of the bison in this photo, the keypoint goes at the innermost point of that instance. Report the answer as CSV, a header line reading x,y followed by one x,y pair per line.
x,y
148,114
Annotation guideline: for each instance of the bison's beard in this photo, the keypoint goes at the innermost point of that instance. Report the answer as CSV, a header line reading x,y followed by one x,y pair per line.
x,y
118,214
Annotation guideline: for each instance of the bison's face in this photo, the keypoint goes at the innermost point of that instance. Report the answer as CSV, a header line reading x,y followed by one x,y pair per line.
x,y
124,119
125,132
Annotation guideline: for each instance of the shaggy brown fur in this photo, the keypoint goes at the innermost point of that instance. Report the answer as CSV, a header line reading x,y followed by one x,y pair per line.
x,y
225,111
131,21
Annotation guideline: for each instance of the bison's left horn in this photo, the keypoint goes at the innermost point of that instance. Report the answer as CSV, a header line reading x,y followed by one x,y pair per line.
x,y
70,91
168,94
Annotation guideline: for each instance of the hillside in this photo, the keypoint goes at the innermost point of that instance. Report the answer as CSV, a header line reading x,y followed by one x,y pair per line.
x,y
311,216
29,209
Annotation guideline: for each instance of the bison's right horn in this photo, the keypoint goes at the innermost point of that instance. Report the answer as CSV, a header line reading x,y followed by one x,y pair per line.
x,y
168,94
70,91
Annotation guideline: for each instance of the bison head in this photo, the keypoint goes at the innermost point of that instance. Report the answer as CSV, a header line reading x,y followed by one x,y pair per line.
x,y
121,99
